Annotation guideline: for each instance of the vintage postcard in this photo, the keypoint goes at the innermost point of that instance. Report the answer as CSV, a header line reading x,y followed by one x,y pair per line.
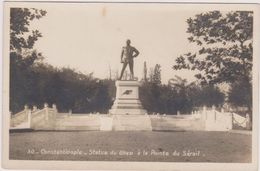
x,y
130,86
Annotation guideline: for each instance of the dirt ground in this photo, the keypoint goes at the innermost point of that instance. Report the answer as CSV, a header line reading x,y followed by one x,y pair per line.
x,y
131,146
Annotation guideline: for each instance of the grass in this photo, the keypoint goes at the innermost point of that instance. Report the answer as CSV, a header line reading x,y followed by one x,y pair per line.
x,y
153,146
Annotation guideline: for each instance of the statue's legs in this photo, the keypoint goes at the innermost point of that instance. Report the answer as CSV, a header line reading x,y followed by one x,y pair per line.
x,y
123,70
131,67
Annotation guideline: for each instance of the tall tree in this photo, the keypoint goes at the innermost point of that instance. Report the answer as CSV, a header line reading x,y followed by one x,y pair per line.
x,y
22,54
240,94
155,74
145,72
225,46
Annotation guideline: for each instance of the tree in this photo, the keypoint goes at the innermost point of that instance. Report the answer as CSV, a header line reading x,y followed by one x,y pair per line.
x,y
178,95
21,37
240,94
145,72
225,46
194,95
22,55
208,95
183,96
155,74
178,83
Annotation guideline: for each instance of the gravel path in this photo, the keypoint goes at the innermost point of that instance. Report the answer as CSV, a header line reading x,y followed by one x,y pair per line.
x,y
132,146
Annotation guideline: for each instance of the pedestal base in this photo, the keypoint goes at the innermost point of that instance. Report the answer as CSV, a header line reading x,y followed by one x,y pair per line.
x,y
127,112
127,99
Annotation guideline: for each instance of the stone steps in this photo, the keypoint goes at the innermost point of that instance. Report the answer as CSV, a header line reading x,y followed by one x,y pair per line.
x,y
21,125
79,128
172,124
132,122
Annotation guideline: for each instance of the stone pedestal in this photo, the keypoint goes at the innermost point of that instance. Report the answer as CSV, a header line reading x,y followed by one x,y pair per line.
x,y
127,99
127,111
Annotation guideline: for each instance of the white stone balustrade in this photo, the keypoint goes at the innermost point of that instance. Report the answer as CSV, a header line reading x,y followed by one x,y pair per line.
x,y
48,118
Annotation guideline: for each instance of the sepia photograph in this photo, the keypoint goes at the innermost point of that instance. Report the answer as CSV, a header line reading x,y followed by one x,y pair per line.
x,y
133,86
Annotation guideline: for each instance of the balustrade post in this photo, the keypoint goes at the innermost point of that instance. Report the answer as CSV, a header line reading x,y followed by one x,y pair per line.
x,y
55,111
231,120
46,105
214,112
54,107
34,108
204,112
26,107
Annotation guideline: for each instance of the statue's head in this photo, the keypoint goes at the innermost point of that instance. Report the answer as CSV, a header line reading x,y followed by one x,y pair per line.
x,y
128,42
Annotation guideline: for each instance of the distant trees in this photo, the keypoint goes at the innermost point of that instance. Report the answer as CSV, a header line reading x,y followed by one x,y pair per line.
x,y
145,73
155,74
70,89
207,95
178,95
67,88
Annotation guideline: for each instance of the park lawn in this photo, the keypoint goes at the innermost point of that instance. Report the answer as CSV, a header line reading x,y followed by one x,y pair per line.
x,y
197,146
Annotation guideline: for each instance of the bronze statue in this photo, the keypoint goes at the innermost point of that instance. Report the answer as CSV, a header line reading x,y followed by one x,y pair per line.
x,y
127,57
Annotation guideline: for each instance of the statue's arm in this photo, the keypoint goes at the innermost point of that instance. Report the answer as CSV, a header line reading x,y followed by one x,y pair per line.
x,y
136,52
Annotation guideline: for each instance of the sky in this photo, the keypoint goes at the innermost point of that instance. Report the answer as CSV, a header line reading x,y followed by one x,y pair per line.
x,y
89,37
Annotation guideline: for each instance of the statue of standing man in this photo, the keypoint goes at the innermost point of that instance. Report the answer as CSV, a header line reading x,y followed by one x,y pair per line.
x,y
127,57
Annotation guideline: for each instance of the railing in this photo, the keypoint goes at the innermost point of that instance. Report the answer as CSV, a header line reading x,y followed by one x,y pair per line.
x,y
44,119
218,121
218,118
36,119
19,118
241,121
215,119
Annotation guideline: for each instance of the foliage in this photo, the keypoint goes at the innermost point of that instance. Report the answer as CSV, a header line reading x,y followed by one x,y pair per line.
x,y
22,55
178,95
240,94
145,72
65,87
225,41
20,35
208,95
155,74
